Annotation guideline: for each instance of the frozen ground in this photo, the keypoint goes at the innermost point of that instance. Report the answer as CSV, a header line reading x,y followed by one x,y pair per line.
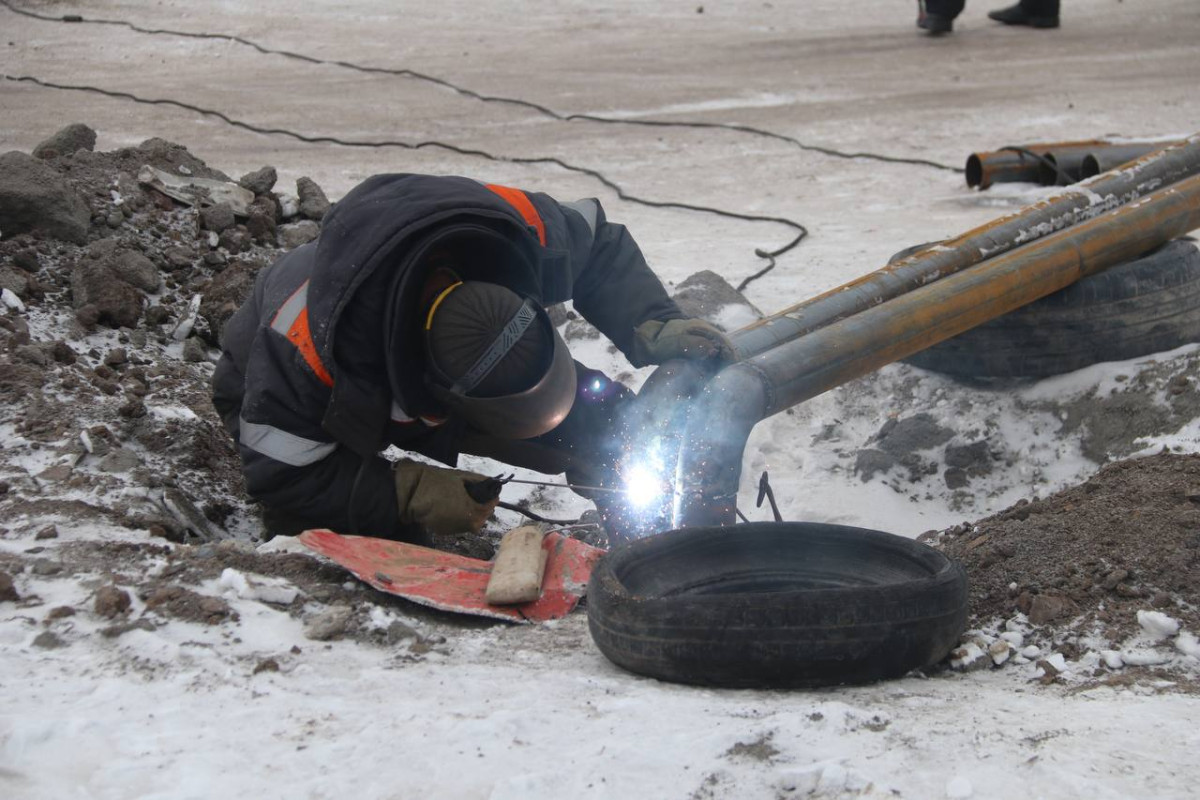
x,y
194,710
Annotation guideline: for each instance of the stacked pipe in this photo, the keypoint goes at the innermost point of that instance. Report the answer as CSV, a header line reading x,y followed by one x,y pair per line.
x,y
912,304
1053,163
1079,203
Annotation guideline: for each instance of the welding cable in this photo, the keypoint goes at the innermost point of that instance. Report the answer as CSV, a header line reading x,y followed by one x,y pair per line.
x,y
465,92
768,255
534,516
1049,163
616,188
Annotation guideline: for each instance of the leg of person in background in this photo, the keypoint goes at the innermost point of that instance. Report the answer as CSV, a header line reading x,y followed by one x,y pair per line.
x,y
937,16
1034,13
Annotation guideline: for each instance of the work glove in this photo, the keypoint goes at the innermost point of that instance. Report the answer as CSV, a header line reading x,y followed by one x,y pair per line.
x,y
655,341
438,500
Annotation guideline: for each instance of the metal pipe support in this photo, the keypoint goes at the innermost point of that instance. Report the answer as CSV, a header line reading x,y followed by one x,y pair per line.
x,y
1077,204
749,391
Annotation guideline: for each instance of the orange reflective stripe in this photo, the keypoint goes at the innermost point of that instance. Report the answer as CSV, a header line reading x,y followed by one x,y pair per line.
x,y
299,335
518,200
291,320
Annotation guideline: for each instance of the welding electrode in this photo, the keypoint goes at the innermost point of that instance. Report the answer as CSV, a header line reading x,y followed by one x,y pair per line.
x,y
489,488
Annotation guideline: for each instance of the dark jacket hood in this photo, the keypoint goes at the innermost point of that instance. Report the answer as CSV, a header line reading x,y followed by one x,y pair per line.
x,y
374,227
363,296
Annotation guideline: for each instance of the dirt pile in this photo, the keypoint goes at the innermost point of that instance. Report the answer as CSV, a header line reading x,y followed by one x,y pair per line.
x,y
1105,574
116,283
115,292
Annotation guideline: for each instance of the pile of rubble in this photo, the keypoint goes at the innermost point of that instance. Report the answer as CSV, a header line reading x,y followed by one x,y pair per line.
x,y
1099,582
117,272
115,288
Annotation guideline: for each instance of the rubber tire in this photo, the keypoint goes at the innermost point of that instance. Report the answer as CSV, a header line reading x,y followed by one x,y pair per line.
x,y
776,605
1147,305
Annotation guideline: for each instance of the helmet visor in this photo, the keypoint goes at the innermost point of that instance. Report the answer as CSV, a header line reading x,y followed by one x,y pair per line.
x,y
523,414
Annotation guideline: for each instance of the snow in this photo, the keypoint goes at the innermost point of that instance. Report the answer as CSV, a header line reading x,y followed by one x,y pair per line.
x,y
238,584
1142,657
959,788
339,721
1157,625
11,300
501,712
1058,661
184,328
171,412
1188,645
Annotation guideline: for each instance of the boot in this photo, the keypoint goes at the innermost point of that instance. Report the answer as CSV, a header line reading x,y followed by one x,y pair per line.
x,y
1018,15
936,24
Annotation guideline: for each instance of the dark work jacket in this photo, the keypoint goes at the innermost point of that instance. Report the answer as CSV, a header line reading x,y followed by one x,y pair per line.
x,y
322,366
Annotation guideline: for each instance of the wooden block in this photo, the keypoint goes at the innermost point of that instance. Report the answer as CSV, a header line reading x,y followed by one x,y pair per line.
x,y
518,568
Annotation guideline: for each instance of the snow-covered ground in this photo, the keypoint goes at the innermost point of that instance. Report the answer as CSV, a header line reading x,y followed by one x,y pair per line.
x,y
502,712
189,711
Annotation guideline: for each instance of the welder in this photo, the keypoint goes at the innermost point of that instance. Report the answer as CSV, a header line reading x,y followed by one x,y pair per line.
x,y
416,323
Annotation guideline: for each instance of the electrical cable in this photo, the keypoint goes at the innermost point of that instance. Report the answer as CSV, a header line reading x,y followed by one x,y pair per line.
x,y
432,143
1046,162
533,515
471,93
768,255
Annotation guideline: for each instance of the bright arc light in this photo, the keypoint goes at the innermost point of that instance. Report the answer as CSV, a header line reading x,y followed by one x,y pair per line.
x,y
643,485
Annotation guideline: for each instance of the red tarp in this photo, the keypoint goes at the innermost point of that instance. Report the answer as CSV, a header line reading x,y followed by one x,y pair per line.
x,y
456,583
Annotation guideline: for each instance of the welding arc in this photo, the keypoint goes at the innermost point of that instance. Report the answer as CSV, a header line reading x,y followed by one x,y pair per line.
x,y
533,516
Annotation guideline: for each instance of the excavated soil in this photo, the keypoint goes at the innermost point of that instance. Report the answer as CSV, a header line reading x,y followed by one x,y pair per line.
x,y
1073,571
1127,539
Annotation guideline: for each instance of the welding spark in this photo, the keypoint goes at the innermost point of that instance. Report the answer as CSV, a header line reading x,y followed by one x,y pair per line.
x,y
643,485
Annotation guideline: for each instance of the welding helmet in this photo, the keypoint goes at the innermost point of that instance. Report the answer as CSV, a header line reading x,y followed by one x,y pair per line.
x,y
495,359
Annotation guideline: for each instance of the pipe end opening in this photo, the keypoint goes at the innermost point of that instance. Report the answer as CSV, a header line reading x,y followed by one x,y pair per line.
x,y
1047,170
974,172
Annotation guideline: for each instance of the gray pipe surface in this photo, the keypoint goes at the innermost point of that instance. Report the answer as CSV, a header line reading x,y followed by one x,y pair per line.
x,y
1077,204
1017,164
1105,158
1076,165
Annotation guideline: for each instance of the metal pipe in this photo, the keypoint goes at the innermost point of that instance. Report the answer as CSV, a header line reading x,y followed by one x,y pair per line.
x,y
1081,202
652,424
1017,164
749,391
1107,158
710,463
664,397
1063,168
